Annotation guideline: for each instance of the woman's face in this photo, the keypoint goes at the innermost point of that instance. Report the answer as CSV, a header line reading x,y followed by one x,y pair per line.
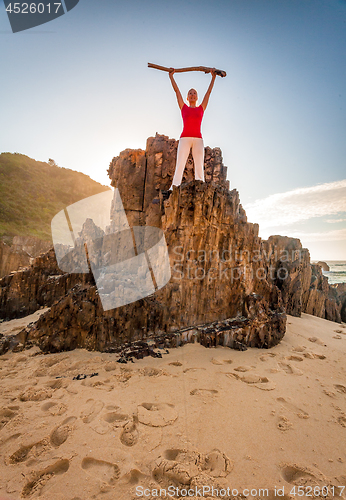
x,y
192,96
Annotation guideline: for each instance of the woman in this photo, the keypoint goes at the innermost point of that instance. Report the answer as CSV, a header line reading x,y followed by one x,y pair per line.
x,y
191,136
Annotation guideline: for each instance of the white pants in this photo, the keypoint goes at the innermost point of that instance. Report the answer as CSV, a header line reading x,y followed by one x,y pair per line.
x,y
184,146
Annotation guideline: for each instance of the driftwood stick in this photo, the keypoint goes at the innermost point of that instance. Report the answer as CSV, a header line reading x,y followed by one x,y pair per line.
x,y
219,72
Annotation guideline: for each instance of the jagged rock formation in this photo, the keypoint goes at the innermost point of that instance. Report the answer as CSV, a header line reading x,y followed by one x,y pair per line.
x,y
322,300
324,265
20,253
303,286
338,290
221,271
140,175
290,270
39,285
11,260
215,287
214,275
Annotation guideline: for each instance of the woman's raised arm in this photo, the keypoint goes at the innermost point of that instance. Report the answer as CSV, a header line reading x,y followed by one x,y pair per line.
x,y
176,89
210,88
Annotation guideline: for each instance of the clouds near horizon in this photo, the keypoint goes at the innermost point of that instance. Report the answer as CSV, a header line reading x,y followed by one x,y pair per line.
x,y
301,204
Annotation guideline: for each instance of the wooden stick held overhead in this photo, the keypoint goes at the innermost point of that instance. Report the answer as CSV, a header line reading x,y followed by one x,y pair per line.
x,y
219,72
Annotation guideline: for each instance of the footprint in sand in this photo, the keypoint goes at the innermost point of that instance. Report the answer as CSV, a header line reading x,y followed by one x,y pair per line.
x,y
117,419
294,357
185,467
129,435
289,406
203,392
192,369
337,337
34,449
217,464
111,365
340,388
54,408
255,380
33,394
103,385
312,355
242,368
290,369
176,363
56,384
10,438
221,361
52,360
104,471
303,476
298,348
179,466
100,427
61,433
92,409
156,414
6,414
40,478
124,375
133,477
317,340
267,356
147,371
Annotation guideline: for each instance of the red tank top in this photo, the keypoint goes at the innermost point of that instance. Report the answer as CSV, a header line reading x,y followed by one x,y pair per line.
x,y
192,118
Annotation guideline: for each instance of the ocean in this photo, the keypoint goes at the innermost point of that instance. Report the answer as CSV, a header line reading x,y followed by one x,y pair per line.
x,y
337,272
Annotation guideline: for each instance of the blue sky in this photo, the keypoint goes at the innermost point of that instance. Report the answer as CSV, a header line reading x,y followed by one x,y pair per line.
x,y
78,90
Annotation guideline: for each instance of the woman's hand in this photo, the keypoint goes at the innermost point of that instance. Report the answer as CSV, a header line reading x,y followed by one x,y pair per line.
x,y
213,72
171,71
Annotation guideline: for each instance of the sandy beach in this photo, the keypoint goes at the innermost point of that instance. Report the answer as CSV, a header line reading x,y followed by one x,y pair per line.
x,y
195,417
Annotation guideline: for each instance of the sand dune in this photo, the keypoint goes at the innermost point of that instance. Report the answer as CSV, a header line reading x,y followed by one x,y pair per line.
x,y
197,417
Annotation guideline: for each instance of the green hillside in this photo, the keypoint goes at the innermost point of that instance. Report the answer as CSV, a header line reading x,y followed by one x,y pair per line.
x,y
32,192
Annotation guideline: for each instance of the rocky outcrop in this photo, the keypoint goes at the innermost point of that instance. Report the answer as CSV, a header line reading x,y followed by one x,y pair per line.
x,y
323,265
322,300
227,286
219,282
289,270
39,285
11,260
303,286
338,290
20,253
216,274
140,175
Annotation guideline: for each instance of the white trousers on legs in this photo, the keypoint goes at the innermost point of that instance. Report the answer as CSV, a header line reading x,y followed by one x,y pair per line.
x,y
184,146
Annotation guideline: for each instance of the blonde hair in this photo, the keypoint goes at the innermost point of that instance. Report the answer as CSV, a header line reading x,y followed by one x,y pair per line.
x,y
194,90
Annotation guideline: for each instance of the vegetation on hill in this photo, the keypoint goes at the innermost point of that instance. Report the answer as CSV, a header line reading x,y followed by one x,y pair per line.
x,y
32,192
